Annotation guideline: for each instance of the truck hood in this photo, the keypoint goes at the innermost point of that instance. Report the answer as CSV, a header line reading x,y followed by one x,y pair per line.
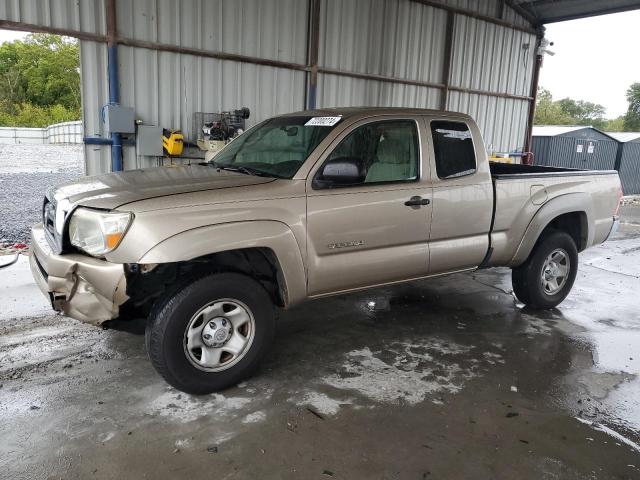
x,y
112,190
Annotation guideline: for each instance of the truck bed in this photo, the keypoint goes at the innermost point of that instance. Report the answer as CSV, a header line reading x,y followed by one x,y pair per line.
x,y
520,191
510,170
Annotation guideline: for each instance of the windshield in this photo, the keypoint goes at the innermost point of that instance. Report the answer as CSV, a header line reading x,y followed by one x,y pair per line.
x,y
276,147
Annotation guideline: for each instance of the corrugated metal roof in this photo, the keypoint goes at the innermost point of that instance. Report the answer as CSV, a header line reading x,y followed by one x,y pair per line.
x,y
624,137
553,130
546,11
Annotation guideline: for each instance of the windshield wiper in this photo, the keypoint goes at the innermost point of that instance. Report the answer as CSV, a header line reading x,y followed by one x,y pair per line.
x,y
245,170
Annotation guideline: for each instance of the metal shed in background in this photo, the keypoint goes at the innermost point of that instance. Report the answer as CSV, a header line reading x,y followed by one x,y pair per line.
x,y
628,161
573,147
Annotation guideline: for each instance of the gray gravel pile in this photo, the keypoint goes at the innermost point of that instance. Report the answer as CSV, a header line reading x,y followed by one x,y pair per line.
x,y
26,172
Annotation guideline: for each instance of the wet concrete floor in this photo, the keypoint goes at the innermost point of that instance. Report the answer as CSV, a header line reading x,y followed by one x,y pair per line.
x,y
441,379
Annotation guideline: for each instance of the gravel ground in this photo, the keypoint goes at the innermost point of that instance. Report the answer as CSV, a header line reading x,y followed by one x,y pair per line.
x,y
26,172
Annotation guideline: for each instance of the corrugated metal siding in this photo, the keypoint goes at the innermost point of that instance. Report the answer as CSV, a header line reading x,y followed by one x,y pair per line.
x,y
95,93
491,57
342,91
484,7
490,8
553,151
272,29
85,15
405,39
603,157
630,168
561,151
396,38
167,88
503,121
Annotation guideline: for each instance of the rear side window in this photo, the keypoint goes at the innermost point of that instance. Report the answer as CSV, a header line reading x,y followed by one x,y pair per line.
x,y
453,146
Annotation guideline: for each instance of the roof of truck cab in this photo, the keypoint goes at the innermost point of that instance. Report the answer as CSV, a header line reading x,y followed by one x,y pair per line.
x,y
350,112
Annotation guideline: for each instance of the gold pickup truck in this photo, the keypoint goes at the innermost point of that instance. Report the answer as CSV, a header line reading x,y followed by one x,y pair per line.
x,y
302,206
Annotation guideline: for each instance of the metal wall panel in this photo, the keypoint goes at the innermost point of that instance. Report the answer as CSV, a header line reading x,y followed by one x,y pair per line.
x,y
484,7
630,168
561,151
167,88
85,15
334,90
95,93
503,121
491,57
396,38
491,8
400,38
553,151
271,29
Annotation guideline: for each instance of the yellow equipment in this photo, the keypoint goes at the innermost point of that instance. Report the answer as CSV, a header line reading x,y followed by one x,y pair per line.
x,y
172,142
501,158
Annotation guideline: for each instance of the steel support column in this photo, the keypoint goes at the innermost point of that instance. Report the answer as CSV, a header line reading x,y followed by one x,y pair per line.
x,y
313,54
446,68
532,105
114,88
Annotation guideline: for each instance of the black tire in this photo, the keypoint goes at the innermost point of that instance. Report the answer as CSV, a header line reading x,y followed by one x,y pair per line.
x,y
170,317
527,278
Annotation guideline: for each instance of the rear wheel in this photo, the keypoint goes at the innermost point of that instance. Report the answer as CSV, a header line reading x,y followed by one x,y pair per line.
x,y
212,333
546,278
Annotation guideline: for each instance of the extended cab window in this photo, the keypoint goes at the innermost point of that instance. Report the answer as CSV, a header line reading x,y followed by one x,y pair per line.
x,y
453,147
386,151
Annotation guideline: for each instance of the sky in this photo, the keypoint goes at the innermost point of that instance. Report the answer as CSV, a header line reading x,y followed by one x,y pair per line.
x,y
596,59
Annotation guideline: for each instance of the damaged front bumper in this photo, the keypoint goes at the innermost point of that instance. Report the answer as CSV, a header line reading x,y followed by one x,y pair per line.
x,y
82,287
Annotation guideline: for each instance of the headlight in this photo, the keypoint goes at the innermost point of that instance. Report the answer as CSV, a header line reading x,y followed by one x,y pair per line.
x,y
97,232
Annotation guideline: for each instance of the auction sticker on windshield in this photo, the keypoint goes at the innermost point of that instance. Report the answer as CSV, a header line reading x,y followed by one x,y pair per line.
x,y
322,121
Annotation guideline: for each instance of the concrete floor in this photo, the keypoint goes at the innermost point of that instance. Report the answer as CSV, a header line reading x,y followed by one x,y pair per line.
x,y
441,379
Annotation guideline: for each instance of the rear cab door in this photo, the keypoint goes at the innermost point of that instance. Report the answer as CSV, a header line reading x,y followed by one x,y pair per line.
x,y
364,234
462,195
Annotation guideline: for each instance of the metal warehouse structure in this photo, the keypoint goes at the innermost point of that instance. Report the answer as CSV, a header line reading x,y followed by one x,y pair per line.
x,y
573,147
628,161
169,59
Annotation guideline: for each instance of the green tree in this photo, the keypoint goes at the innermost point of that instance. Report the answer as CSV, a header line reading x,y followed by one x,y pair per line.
x,y
632,117
549,112
583,113
614,124
39,80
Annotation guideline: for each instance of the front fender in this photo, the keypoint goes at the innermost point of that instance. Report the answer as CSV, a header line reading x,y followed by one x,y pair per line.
x,y
568,203
210,239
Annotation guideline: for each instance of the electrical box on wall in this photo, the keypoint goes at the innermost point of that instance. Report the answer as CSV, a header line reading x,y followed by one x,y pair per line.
x,y
149,141
119,119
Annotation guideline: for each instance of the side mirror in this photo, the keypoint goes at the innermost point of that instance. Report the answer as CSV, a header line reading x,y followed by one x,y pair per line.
x,y
340,171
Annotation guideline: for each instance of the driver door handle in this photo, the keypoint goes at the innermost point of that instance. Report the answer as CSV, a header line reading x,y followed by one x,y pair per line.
x,y
417,202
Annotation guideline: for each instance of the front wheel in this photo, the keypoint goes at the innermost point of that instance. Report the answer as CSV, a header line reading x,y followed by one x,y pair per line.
x,y
545,279
211,333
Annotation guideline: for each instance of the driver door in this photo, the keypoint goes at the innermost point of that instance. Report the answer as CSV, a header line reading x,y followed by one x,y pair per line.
x,y
365,234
